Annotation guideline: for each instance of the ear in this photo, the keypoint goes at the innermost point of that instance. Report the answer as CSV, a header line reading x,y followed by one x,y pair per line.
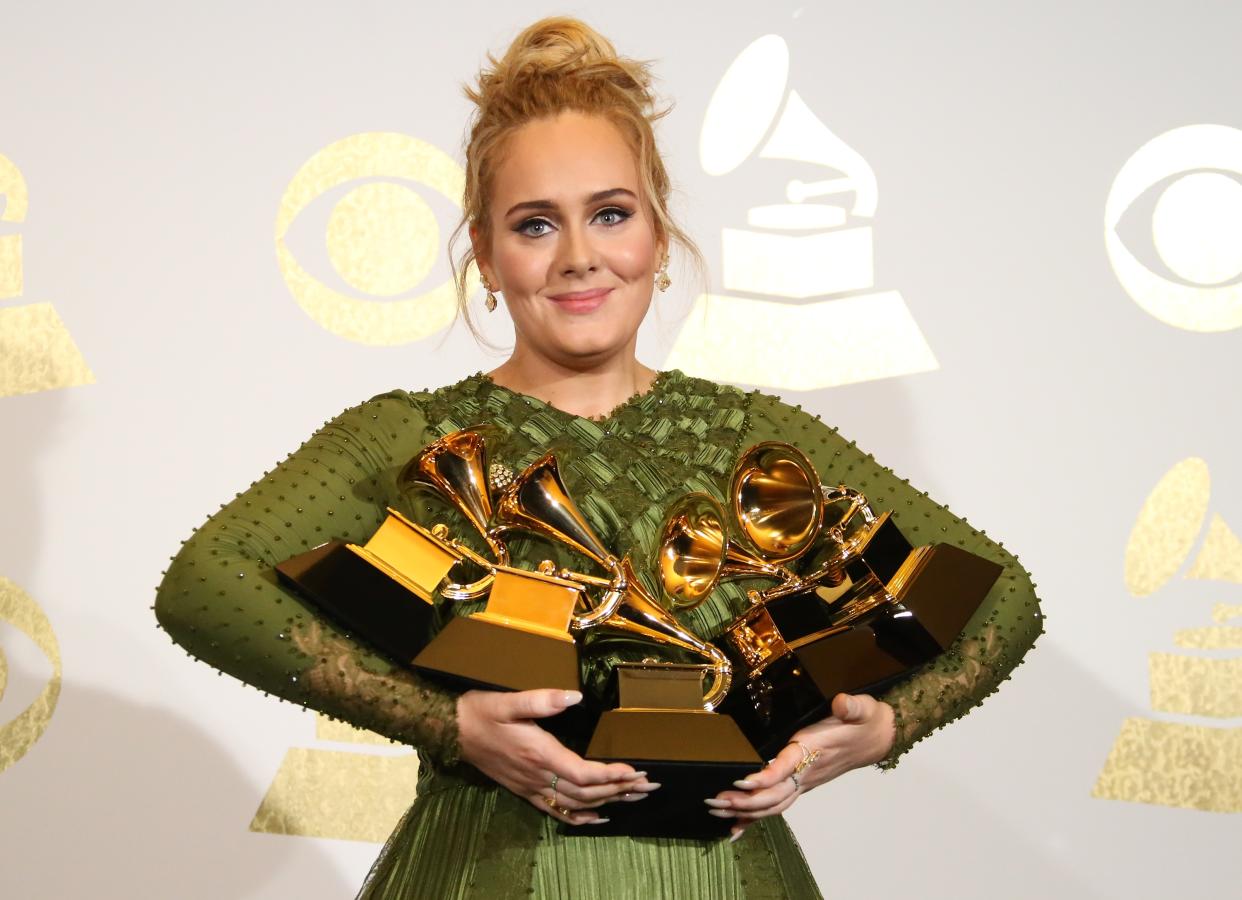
x,y
480,257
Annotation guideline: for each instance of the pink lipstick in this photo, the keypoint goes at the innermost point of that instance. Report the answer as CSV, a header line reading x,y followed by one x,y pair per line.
x,y
579,302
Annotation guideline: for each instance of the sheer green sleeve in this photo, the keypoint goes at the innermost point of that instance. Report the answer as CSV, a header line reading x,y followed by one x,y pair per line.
x,y
1001,631
220,600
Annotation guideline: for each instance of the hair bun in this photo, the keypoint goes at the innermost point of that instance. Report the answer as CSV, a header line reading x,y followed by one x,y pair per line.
x,y
557,48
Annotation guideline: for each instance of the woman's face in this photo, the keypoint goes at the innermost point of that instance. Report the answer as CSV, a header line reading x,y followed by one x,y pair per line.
x,y
573,247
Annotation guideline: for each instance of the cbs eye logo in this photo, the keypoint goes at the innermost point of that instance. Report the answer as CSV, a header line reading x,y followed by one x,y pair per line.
x,y
1194,176
382,237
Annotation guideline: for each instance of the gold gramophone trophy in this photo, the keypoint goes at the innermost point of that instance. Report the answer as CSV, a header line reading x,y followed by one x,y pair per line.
x,y
870,610
385,591
665,722
522,639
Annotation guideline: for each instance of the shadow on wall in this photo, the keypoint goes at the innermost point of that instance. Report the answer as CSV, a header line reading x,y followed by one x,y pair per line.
x,y
137,803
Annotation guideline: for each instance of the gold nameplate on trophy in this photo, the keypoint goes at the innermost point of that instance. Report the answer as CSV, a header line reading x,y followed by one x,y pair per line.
x,y
417,557
521,641
538,603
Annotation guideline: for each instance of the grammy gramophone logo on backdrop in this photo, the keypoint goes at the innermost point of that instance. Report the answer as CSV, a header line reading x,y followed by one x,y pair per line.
x,y
800,276
37,354
1186,758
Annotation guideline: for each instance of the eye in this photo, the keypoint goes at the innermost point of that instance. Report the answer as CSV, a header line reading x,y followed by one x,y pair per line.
x,y
526,226
617,215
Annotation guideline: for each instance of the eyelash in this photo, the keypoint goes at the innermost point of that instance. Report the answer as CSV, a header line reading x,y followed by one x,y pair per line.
x,y
623,213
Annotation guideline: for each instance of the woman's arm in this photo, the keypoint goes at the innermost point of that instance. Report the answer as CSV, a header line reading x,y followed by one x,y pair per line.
x,y
220,600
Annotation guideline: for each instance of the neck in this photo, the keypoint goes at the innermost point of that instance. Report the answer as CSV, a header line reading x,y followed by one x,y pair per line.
x,y
587,391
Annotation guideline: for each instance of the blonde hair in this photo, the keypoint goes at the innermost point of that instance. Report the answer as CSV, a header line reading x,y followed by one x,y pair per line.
x,y
558,64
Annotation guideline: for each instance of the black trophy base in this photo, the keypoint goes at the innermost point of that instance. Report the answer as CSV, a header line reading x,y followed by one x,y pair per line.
x,y
362,598
796,688
692,754
473,652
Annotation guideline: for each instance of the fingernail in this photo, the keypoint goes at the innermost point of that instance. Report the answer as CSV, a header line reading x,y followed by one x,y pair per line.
x,y
851,705
640,774
718,804
633,798
599,821
737,833
572,697
722,813
649,786
744,784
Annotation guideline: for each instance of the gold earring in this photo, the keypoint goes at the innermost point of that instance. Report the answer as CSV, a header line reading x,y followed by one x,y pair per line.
x,y
662,279
490,302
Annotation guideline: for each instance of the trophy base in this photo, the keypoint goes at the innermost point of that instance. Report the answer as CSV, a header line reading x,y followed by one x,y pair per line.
x,y
474,652
363,599
692,754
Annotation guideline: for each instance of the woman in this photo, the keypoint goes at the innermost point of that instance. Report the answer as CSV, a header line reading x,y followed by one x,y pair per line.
x,y
566,207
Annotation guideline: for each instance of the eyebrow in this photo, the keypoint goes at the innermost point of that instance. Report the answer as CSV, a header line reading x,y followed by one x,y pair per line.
x,y
548,204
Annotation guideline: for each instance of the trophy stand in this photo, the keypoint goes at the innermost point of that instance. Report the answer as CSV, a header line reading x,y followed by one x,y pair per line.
x,y
520,642
662,728
381,592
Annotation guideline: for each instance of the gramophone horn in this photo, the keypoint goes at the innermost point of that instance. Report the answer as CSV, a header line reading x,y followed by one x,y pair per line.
x,y
455,468
538,501
695,553
777,500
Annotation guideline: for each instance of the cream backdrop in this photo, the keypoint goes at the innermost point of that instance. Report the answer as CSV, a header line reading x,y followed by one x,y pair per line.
x,y
999,245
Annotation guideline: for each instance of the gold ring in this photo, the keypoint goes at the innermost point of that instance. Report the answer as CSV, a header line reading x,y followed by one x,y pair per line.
x,y
551,802
808,756
797,784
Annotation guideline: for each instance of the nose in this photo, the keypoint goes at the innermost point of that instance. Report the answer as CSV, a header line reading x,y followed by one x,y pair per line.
x,y
576,254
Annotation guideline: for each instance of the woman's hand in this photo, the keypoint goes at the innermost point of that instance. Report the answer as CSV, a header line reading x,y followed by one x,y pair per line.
x,y
859,732
499,737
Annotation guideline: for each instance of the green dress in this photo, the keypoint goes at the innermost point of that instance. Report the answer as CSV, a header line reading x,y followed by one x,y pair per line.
x,y
464,836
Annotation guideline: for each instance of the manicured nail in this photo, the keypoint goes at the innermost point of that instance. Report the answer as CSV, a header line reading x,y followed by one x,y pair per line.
x,y
599,821
744,784
722,813
633,798
640,774
572,697
718,804
648,787
737,833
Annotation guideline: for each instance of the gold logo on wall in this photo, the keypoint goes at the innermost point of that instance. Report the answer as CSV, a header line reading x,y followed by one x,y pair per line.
x,y
382,238
1174,763
36,351
344,794
1195,227
17,736
815,258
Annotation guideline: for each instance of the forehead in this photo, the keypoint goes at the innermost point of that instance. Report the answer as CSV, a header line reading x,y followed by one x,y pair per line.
x,y
563,159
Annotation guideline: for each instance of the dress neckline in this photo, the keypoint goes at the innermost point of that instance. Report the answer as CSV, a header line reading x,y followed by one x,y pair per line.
x,y
657,384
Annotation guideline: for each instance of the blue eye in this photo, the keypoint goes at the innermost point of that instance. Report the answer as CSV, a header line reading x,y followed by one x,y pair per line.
x,y
529,223
620,214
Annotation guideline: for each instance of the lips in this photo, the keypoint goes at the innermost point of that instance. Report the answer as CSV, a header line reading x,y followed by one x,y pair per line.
x,y
580,301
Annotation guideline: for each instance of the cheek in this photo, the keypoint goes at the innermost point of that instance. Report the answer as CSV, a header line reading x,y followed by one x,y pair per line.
x,y
632,259
521,270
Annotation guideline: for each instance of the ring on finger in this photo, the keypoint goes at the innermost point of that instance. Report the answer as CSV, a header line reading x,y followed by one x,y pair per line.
x,y
808,756
793,776
555,779
552,804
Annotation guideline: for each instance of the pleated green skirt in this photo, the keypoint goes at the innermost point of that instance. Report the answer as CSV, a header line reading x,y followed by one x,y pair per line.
x,y
467,838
